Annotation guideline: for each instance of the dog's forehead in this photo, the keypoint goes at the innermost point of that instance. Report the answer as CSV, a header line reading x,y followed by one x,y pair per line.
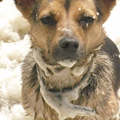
x,y
62,9
68,4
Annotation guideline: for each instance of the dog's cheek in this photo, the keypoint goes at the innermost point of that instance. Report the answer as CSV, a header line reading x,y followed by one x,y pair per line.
x,y
38,36
42,36
94,37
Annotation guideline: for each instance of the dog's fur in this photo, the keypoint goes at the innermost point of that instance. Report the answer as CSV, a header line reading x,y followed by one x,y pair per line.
x,y
62,69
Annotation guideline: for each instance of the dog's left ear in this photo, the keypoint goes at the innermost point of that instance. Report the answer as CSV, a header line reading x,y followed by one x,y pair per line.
x,y
104,7
25,6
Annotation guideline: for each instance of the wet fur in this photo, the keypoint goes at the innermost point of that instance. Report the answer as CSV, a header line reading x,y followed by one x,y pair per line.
x,y
101,93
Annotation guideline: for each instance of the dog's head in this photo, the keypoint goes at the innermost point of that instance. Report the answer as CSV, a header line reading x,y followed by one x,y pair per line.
x,y
66,30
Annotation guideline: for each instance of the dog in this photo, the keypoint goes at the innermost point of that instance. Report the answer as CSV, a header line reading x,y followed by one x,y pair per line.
x,y
73,69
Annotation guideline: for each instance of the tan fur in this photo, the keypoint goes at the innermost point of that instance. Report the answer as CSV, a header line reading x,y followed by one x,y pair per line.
x,y
65,75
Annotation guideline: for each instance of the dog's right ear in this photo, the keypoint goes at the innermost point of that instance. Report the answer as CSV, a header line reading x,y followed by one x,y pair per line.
x,y
25,6
104,7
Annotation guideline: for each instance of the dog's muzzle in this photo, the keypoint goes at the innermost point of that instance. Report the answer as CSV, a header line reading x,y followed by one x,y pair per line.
x,y
68,51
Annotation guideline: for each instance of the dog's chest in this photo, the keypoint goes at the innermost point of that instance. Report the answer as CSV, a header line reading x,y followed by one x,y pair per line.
x,y
62,81
100,91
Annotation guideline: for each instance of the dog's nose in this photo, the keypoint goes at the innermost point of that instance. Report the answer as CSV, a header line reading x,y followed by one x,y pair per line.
x,y
69,44
68,49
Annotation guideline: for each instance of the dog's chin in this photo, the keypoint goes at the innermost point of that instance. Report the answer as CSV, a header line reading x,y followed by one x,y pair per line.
x,y
67,63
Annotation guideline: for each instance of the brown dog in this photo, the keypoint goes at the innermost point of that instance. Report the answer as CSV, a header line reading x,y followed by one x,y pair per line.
x,y
72,72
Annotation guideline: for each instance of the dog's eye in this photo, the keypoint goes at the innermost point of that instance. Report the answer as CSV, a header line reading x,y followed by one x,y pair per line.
x,y
86,20
48,20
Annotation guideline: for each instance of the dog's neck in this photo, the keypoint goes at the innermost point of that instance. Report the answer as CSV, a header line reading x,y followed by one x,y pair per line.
x,y
59,78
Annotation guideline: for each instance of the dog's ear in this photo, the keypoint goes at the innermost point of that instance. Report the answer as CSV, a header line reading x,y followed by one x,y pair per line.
x,y
25,6
104,7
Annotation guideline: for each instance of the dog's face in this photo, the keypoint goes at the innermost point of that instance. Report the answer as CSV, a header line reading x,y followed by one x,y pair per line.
x,y
66,30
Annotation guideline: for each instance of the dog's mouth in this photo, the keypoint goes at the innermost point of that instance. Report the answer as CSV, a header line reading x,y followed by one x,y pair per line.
x,y
67,63
76,66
